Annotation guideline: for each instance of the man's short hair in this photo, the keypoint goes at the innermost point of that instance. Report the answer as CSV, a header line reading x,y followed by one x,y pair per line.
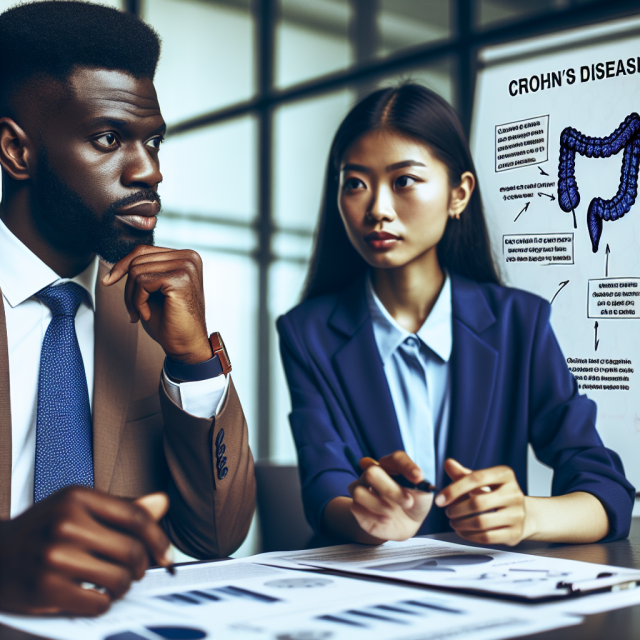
x,y
51,37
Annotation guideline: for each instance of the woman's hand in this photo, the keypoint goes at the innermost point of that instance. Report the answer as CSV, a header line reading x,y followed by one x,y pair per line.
x,y
485,506
382,508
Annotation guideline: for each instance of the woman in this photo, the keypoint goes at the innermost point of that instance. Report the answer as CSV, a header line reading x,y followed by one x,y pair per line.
x,y
407,349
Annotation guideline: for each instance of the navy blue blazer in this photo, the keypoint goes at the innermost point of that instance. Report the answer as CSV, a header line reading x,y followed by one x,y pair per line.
x,y
510,386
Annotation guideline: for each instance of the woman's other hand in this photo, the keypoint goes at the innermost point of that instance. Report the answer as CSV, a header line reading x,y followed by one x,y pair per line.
x,y
485,506
381,507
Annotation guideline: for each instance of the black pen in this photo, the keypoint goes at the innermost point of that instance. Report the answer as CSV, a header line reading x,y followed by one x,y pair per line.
x,y
424,486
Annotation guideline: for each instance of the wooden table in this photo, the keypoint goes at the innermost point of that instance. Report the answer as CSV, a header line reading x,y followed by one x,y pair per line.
x,y
622,624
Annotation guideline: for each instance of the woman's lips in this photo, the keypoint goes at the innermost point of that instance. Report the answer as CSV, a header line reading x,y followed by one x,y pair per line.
x,y
381,240
141,216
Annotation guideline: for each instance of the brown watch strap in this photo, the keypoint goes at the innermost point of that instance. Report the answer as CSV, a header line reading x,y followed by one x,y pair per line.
x,y
219,349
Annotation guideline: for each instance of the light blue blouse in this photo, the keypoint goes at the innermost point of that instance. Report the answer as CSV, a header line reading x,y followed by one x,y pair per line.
x,y
418,373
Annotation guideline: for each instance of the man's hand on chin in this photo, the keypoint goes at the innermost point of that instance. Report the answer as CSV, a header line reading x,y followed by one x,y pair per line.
x,y
78,550
164,290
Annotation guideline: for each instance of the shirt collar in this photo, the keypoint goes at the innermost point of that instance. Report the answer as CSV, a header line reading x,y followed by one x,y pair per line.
x,y
436,332
23,274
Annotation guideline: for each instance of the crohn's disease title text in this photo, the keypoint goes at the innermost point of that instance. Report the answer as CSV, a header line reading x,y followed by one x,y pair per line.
x,y
587,73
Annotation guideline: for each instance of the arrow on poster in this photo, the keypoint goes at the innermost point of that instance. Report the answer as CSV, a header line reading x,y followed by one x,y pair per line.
x,y
526,206
562,286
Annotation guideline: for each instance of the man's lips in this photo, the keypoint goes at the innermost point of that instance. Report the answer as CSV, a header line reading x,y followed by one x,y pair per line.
x,y
141,215
381,239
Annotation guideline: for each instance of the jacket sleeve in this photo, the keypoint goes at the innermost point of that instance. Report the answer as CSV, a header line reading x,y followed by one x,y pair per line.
x,y
325,471
212,485
562,431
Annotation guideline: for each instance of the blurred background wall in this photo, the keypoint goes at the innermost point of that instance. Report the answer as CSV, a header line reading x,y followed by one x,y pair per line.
x,y
252,91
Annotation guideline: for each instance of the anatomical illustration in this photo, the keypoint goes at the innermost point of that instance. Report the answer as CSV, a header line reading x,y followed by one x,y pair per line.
x,y
626,137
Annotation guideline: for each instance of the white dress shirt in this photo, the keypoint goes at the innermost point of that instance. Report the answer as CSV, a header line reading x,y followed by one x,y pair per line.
x,y
23,274
428,384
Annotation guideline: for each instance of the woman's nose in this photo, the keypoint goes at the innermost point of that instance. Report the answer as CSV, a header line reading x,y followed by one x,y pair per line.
x,y
381,206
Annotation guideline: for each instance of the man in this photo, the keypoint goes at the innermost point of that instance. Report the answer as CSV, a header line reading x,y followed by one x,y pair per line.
x,y
109,383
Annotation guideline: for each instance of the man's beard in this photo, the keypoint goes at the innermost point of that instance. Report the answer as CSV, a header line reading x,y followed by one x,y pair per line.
x,y
69,224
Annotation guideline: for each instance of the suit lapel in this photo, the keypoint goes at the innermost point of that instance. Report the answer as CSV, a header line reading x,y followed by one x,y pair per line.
x,y
5,420
116,341
474,366
359,369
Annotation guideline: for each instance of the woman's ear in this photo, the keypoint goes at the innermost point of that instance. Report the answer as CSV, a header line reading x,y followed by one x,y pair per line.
x,y
461,194
15,150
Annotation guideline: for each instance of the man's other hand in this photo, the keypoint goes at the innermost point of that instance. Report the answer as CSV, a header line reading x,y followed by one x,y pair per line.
x,y
164,289
78,550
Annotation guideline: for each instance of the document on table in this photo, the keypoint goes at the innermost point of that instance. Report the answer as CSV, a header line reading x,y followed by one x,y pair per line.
x,y
445,564
240,600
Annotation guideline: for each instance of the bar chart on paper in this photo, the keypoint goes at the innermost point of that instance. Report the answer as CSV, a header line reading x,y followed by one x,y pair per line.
x,y
241,600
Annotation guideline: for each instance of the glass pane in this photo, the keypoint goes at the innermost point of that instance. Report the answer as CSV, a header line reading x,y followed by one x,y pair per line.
x,y
312,39
285,282
491,12
303,134
295,247
189,232
406,23
207,55
212,171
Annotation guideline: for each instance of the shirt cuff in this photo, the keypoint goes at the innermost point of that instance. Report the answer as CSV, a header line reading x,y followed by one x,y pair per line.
x,y
201,399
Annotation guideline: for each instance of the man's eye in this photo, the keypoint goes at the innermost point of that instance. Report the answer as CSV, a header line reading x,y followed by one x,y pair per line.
x,y
156,142
405,181
107,140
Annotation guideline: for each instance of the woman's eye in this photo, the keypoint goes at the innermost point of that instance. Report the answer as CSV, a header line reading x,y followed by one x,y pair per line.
x,y
352,183
405,181
107,140
156,142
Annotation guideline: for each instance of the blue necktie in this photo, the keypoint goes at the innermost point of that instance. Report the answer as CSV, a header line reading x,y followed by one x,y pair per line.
x,y
64,451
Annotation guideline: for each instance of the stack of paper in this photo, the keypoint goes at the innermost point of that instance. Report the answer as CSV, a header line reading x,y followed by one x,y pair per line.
x,y
454,566
240,600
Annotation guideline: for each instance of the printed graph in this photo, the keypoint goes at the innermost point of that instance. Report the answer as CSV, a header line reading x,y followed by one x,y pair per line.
x,y
197,597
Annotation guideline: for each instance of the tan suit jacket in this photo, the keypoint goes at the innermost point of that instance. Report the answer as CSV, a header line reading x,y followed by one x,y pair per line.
x,y
144,442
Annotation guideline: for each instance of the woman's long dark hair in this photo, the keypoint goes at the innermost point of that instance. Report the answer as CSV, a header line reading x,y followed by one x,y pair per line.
x,y
418,113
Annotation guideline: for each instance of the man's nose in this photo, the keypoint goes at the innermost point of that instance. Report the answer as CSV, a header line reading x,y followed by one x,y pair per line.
x,y
141,168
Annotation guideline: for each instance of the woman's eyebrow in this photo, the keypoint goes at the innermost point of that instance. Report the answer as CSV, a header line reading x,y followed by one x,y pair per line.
x,y
356,167
391,167
404,163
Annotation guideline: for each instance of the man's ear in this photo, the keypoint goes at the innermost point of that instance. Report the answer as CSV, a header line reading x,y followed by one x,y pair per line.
x,y
15,150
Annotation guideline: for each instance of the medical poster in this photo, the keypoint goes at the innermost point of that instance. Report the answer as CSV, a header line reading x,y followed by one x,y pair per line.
x,y
556,142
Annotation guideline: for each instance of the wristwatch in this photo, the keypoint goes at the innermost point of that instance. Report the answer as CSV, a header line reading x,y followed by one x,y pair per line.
x,y
220,350
219,364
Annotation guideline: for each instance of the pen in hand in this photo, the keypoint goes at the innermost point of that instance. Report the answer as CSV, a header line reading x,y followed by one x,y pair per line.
x,y
366,462
423,485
